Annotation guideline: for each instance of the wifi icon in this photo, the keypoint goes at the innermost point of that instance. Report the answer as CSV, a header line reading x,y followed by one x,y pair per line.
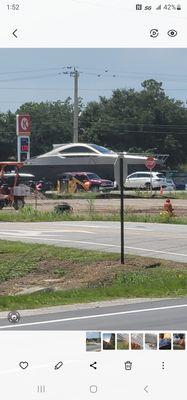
x,y
159,7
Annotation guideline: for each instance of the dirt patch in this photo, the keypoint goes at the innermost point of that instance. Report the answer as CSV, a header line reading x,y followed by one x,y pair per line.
x,y
148,206
59,275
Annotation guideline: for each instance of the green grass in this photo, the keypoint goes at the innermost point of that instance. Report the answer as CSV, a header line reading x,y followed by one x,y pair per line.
x,y
29,214
17,259
126,285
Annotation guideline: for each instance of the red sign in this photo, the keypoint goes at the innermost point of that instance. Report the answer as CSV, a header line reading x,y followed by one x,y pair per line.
x,y
25,148
150,162
23,125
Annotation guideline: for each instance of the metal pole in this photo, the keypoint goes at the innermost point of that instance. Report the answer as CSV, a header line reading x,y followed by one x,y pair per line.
x,y
76,107
151,181
18,149
121,162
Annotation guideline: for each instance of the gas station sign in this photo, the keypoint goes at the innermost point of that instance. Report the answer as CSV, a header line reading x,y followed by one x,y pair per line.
x,y
23,125
23,131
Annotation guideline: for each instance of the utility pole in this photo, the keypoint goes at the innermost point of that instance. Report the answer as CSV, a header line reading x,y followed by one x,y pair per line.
x,y
75,75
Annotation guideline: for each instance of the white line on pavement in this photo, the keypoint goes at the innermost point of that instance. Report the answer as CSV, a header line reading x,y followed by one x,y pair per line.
x,y
96,316
35,233
108,245
157,251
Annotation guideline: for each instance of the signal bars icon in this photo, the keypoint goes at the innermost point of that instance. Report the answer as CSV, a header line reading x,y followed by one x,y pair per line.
x,y
159,7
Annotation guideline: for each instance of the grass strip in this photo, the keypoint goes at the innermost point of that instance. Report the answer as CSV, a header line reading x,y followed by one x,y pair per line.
x,y
146,278
127,285
29,214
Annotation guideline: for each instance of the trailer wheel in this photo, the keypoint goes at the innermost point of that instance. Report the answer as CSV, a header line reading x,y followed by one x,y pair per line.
x,y
18,204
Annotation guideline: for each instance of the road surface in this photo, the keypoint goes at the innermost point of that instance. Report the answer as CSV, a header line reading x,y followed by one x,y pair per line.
x,y
153,240
170,314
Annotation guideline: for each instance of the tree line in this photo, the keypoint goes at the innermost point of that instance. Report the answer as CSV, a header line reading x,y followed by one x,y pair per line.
x,y
136,121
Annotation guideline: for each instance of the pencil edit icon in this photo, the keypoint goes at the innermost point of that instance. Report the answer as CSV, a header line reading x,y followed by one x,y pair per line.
x,y
58,365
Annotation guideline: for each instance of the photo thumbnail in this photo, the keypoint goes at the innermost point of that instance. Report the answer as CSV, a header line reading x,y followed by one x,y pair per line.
x,y
179,341
93,341
164,341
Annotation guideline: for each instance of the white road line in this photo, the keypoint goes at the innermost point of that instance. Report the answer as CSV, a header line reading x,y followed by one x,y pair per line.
x,y
157,251
115,245
112,226
20,233
33,233
69,241
96,316
46,239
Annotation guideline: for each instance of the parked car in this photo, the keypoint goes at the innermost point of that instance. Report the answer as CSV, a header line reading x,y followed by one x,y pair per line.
x,y
96,183
145,179
170,185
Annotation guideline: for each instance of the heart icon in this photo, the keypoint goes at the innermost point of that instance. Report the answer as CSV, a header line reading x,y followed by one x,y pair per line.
x,y
23,364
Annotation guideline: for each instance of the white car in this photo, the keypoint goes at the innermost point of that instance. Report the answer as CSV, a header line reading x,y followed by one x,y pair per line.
x,y
170,185
145,180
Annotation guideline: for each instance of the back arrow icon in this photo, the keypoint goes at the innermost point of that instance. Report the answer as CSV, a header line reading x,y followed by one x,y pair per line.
x,y
14,33
146,389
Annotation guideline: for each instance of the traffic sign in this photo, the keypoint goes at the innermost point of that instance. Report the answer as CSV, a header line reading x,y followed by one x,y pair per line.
x,y
150,162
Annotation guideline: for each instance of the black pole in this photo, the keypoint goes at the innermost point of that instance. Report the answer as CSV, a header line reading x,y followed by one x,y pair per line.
x,y
121,162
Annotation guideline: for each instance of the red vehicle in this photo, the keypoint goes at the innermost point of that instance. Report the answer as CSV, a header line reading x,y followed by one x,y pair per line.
x,y
14,194
94,181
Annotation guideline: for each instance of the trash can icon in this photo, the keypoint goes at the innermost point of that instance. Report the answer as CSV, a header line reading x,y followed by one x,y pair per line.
x,y
128,365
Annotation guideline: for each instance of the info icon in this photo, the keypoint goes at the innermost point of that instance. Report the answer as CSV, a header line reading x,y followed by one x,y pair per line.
x,y
13,317
154,33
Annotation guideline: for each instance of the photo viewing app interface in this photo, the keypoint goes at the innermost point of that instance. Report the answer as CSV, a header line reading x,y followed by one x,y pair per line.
x,y
52,54
93,23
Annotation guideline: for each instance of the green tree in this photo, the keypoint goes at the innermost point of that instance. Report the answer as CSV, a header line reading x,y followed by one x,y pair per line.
x,y
146,119
52,122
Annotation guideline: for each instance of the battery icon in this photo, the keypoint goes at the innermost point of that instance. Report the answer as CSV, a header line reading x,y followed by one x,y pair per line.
x,y
179,7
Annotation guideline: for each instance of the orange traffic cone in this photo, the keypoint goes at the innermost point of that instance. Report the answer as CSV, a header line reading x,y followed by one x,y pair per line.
x,y
161,191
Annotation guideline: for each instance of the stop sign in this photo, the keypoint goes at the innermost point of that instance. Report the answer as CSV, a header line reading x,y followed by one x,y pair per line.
x,y
150,162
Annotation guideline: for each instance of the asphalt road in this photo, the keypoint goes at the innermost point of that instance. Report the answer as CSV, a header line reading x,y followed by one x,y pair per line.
x,y
150,315
154,240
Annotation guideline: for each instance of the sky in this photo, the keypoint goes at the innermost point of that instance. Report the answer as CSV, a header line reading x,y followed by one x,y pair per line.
x,y
38,74
95,335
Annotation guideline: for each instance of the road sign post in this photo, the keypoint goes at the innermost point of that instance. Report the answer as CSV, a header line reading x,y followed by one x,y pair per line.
x,y
121,166
150,164
151,188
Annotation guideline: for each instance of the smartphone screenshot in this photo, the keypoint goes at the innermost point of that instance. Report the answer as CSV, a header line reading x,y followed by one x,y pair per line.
x,y
93,199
